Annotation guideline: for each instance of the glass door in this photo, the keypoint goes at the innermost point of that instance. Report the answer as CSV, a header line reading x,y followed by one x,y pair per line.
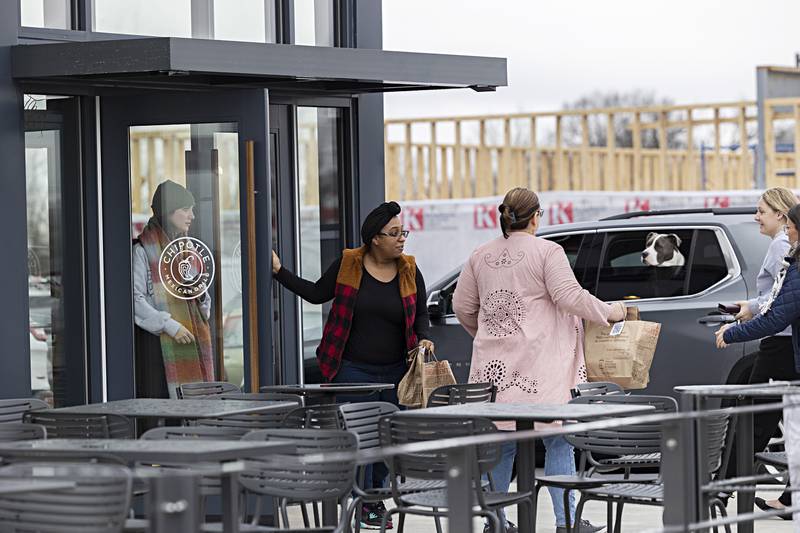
x,y
186,235
57,330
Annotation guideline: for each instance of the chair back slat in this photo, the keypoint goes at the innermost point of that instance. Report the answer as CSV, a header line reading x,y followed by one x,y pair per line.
x,y
596,388
191,433
75,426
205,388
325,416
363,419
462,393
98,503
13,431
11,410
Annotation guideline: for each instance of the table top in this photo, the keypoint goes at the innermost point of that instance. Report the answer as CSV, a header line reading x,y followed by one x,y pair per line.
x,y
174,450
19,486
183,409
774,390
533,412
327,388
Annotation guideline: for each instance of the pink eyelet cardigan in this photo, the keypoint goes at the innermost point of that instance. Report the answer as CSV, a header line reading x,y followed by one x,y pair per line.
x,y
521,302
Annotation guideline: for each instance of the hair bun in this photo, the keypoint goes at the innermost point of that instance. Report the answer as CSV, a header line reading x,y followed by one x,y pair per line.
x,y
393,208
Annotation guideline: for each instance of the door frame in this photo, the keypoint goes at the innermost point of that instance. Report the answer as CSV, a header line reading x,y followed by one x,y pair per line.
x,y
249,108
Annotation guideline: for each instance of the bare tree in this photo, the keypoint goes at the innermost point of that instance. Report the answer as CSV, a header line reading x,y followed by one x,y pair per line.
x,y
572,129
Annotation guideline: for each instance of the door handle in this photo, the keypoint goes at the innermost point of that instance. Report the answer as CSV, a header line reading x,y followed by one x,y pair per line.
x,y
715,320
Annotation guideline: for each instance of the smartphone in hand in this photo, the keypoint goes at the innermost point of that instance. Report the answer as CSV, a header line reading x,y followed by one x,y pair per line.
x,y
731,309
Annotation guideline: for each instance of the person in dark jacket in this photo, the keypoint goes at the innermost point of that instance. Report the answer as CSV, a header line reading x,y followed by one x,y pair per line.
x,y
781,309
379,313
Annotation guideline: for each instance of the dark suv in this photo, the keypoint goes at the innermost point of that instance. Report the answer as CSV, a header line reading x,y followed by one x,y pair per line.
x,y
723,251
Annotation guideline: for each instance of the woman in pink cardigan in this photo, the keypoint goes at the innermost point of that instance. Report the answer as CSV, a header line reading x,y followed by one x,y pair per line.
x,y
518,298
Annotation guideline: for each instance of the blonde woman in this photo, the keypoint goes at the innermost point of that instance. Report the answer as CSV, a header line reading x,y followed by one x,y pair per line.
x,y
518,298
775,356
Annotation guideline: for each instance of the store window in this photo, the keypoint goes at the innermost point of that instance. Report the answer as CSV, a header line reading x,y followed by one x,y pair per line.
x,y
314,23
320,207
187,267
239,20
53,14
690,262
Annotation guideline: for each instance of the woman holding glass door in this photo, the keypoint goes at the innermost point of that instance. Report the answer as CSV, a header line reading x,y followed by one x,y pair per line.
x,y
171,300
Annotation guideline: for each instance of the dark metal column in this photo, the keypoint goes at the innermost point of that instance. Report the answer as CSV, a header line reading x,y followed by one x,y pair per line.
x,y
15,380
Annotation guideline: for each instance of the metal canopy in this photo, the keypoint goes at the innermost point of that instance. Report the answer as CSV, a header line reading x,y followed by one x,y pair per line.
x,y
180,62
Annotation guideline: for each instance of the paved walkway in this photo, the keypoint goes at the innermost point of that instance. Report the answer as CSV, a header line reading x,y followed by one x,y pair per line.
x,y
635,519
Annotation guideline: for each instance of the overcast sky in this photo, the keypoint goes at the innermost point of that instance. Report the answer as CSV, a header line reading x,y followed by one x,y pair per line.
x,y
692,51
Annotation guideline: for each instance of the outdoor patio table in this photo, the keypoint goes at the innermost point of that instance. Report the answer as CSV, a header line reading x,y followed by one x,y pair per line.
x,y
525,415
175,409
326,392
694,398
156,451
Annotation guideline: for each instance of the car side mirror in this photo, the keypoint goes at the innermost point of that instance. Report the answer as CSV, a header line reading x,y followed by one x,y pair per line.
x,y
435,305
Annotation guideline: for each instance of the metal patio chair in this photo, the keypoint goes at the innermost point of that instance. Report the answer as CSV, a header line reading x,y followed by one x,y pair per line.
x,y
596,388
398,430
617,450
363,419
290,479
717,441
11,410
76,426
98,503
205,388
209,485
462,393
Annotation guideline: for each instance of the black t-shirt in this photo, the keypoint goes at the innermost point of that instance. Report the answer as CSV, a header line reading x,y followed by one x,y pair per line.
x,y
377,334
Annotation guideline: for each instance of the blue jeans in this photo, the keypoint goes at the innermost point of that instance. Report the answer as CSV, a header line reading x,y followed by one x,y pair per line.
x,y
351,372
559,459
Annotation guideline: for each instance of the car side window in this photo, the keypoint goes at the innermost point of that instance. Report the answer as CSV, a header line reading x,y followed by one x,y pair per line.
x,y
659,264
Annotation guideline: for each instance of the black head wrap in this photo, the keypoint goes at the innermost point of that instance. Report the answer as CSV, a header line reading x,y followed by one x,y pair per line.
x,y
377,219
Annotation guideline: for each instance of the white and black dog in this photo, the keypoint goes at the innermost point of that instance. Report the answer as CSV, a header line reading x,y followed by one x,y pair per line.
x,y
661,250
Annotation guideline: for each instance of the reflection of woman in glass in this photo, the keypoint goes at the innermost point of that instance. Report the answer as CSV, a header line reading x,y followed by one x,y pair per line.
x,y
173,339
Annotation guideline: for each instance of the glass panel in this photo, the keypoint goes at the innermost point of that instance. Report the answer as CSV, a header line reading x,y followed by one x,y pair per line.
x,y
48,282
45,14
314,22
188,301
242,20
319,191
637,265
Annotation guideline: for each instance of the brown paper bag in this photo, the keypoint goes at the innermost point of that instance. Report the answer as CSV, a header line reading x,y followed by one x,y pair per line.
x,y
622,353
424,374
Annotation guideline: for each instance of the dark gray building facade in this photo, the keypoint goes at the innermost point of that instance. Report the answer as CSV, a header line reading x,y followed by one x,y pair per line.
x,y
269,111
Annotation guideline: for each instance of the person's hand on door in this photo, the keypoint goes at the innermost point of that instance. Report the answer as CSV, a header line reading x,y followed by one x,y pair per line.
x,y
184,336
276,262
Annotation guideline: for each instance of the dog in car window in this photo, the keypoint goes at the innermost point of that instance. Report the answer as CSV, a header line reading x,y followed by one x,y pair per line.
x,y
662,250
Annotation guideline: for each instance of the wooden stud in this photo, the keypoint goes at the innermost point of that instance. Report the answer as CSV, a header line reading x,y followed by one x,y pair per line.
x,y
433,185
408,174
533,159
559,162
459,178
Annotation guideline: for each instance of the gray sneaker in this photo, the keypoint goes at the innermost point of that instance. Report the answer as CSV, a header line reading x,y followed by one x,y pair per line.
x,y
584,527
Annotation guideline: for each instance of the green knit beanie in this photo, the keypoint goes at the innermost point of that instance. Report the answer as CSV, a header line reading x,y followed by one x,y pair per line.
x,y
170,196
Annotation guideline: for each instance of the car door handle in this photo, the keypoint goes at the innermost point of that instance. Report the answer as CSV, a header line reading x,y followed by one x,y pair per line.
x,y
713,320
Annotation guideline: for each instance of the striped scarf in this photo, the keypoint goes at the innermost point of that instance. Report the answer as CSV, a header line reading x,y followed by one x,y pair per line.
x,y
183,363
